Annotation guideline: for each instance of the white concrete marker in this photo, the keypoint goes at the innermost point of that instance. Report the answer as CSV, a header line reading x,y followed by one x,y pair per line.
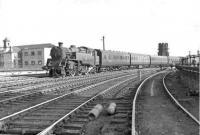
x,y
152,93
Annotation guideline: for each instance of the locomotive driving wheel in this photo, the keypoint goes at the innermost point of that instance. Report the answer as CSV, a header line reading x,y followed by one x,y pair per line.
x,y
51,72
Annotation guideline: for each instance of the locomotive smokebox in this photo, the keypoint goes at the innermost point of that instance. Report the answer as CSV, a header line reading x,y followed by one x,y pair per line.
x,y
60,44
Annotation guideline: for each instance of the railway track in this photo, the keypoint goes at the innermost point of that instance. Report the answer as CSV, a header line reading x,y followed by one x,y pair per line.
x,y
154,111
10,83
24,82
16,103
48,84
46,116
59,84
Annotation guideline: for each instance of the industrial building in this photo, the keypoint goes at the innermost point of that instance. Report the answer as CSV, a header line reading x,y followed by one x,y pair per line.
x,y
163,49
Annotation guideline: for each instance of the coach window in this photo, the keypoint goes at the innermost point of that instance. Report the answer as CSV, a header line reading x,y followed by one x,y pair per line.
x,y
32,62
19,55
39,52
26,62
32,53
25,53
39,62
105,57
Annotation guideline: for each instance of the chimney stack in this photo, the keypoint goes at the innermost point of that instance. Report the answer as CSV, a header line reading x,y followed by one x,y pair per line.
x,y
163,49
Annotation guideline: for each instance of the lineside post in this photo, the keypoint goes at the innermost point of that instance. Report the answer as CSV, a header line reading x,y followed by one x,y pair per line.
x,y
139,74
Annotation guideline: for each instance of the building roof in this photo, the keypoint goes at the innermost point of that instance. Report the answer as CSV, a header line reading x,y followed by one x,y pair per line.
x,y
45,45
11,50
6,39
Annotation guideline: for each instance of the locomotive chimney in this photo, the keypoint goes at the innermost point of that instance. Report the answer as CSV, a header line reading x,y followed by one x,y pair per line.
x,y
60,44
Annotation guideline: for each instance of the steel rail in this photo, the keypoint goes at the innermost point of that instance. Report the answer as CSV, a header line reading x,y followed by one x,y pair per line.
x,y
57,81
178,104
38,92
2,120
133,131
20,96
49,129
33,81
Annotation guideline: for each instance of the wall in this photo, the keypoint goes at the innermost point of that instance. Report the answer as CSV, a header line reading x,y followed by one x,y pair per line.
x,y
46,55
32,58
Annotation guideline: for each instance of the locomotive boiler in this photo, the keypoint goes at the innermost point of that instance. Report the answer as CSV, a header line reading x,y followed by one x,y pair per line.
x,y
71,61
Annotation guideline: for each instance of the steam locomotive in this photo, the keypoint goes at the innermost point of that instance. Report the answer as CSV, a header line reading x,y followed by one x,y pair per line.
x,y
83,60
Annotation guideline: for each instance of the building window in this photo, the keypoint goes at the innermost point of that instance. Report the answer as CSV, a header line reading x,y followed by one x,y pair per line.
x,y
15,63
33,53
39,62
26,62
19,55
19,62
39,52
32,62
25,53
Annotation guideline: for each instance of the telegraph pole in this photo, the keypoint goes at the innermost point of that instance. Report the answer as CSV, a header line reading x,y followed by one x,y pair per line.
x,y
103,43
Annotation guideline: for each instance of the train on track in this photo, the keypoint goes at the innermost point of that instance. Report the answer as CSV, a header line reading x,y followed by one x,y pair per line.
x,y
82,60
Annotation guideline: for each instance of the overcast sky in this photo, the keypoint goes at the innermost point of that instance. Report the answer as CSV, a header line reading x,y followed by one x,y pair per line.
x,y
128,25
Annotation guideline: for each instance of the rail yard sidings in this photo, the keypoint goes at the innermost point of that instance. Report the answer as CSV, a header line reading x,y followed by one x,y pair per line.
x,y
32,105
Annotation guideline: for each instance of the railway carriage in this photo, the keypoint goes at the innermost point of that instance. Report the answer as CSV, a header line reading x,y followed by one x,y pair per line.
x,y
159,61
113,59
140,60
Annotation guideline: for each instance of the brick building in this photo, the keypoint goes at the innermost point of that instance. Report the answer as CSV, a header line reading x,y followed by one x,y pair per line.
x,y
34,56
24,57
